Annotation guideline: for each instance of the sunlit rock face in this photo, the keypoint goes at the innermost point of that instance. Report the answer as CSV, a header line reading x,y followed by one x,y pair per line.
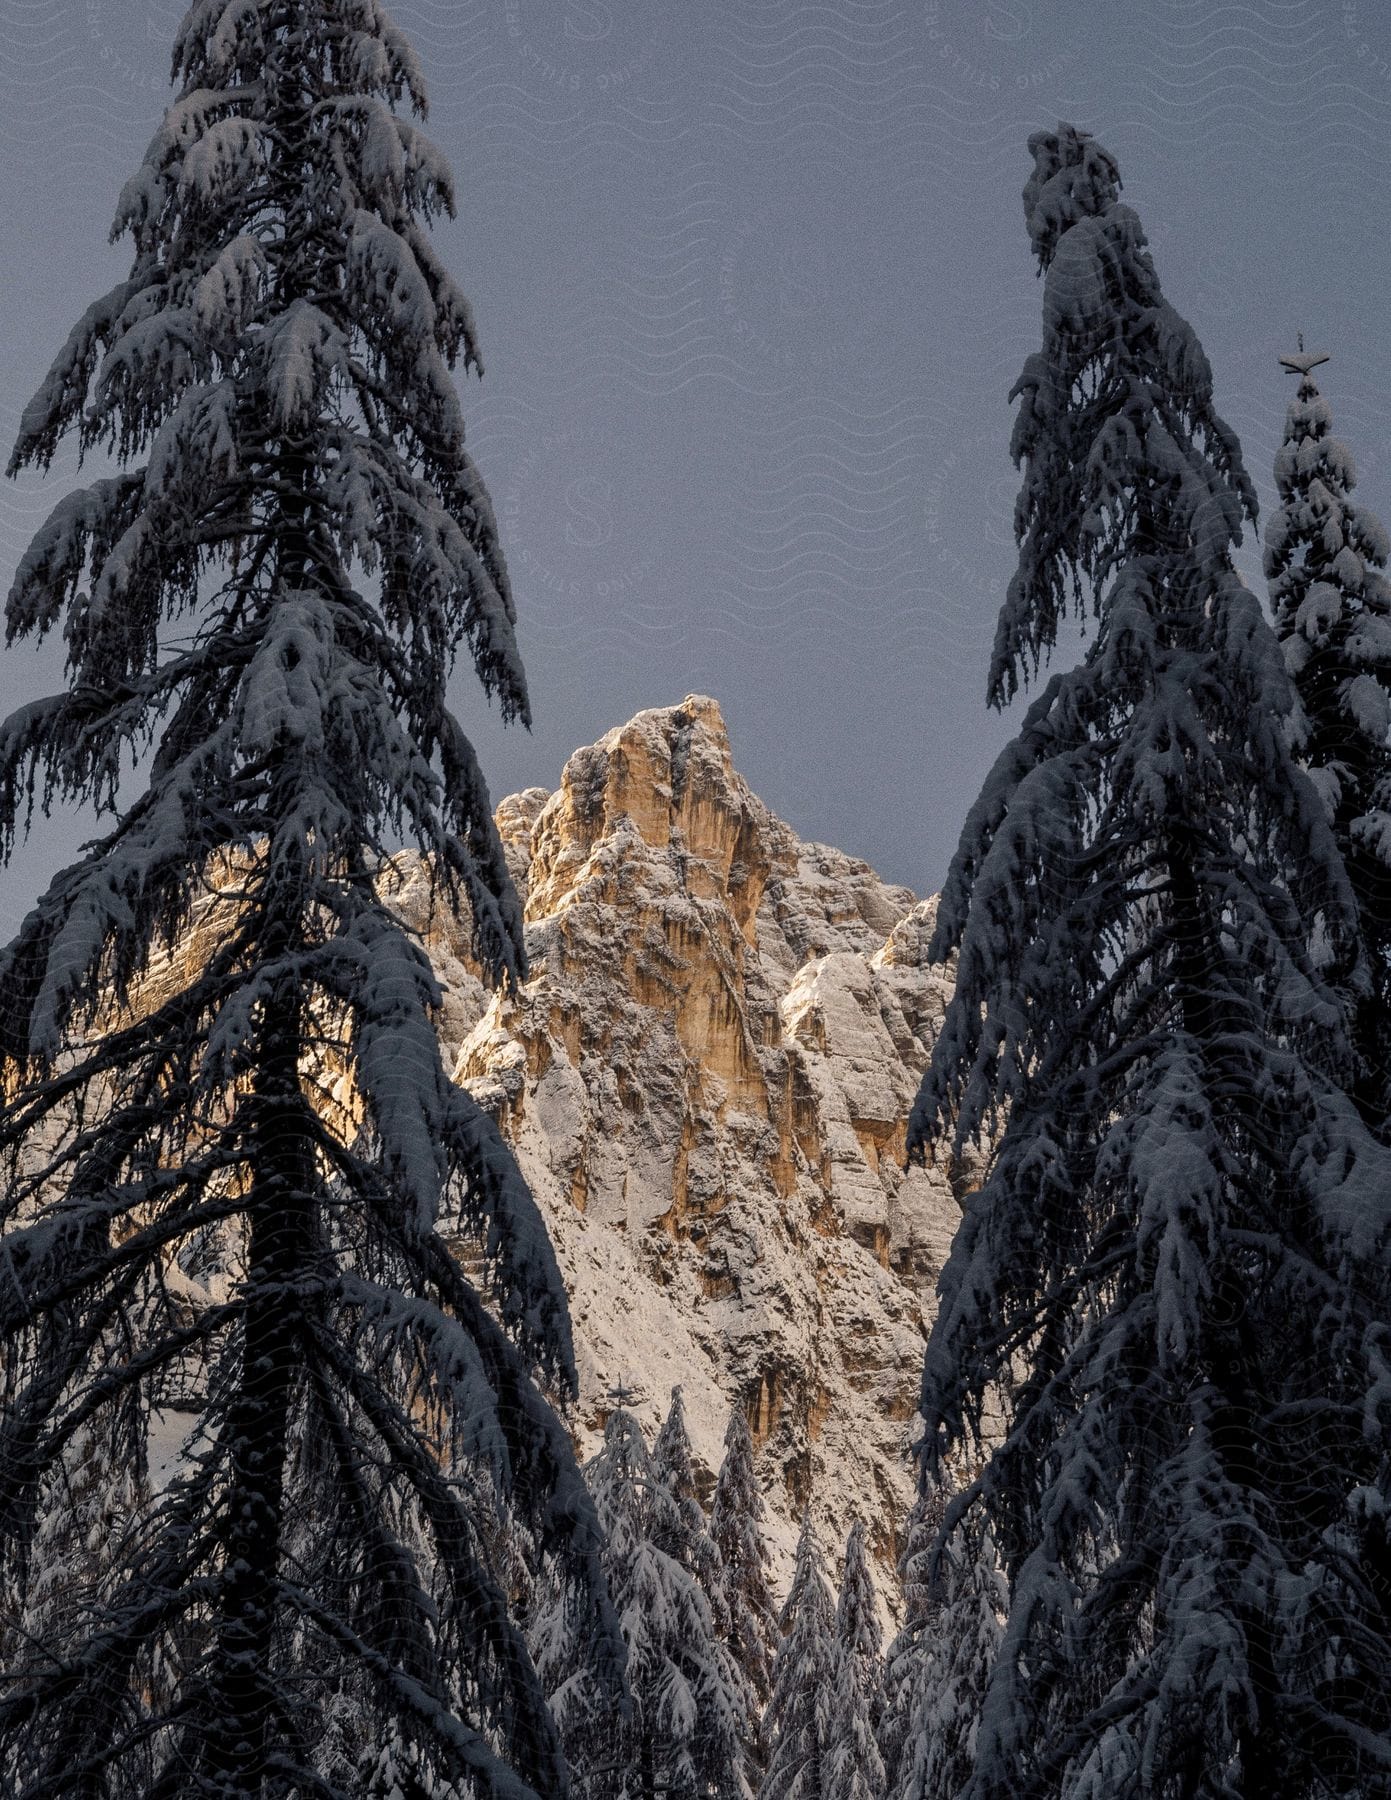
x,y
706,1079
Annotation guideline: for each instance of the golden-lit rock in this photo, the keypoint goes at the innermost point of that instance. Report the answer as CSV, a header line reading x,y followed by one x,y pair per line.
x,y
706,1079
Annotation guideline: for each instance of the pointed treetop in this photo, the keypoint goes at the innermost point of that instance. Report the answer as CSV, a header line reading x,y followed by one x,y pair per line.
x,y
857,1616
672,1451
1073,177
808,1556
1304,360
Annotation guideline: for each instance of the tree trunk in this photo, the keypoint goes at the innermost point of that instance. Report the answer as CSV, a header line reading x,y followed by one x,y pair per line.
x,y
279,1249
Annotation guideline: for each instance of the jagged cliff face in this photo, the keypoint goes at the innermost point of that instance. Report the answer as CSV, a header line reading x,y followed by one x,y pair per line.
x,y
707,1079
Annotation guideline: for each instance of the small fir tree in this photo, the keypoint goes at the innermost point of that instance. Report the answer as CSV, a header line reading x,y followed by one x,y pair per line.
x,y
921,1591
954,1654
798,1722
856,1768
1324,559
736,1525
91,1501
679,1733
858,1631
396,1771
674,1463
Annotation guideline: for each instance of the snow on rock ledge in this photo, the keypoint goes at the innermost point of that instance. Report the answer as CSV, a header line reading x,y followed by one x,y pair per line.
x,y
706,1080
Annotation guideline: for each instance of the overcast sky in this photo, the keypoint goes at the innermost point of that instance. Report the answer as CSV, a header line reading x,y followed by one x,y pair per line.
x,y
753,285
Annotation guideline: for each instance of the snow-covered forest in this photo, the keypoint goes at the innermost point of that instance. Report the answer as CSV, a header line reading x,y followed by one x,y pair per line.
x,y
294,1499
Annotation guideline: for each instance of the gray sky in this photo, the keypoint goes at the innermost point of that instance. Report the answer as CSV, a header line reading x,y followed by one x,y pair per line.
x,y
753,285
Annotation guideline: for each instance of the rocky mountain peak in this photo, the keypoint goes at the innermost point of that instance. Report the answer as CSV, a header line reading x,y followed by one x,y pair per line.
x,y
706,1079
667,777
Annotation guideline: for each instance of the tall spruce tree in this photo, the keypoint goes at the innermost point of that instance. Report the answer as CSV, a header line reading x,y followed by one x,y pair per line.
x,y
1324,559
797,1723
1173,1277
266,597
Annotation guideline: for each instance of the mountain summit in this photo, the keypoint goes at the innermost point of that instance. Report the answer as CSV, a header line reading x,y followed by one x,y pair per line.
x,y
706,1079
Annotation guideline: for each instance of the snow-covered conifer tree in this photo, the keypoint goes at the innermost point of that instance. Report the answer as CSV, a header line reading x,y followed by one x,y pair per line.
x,y
92,1498
693,1545
736,1525
1177,1259
954,1654
680,1733
856,1768
921,1588
1324,557
797,1724
858,1630
263,601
